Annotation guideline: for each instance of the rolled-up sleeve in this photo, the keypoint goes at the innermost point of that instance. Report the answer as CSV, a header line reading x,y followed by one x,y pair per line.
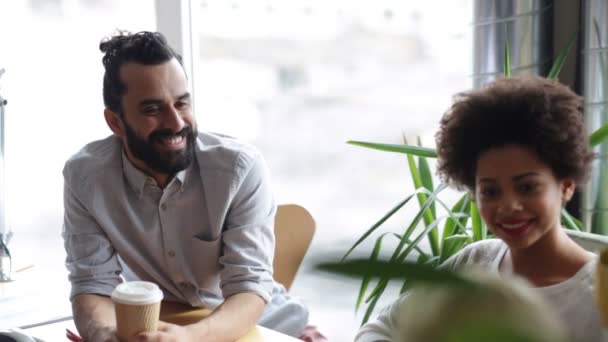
x,y
91,260
248,237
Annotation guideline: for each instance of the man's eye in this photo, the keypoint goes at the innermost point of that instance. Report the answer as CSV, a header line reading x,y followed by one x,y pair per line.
x,y
182,105
151,110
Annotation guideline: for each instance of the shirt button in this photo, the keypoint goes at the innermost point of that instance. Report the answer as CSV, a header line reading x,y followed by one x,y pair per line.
x,y
163,206
171,254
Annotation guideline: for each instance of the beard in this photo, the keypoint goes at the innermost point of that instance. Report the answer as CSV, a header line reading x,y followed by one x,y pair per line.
x,y
166,162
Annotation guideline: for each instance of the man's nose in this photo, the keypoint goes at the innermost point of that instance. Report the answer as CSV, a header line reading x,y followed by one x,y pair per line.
x,y
173,120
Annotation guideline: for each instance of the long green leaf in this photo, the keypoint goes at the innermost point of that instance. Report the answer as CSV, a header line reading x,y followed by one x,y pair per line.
x,y
426,177
426,259
400,254
405,237
462,206
366,279
599,42
415,173
377,291
371,306
459,220
422,260
406,149
570,222
440,188
374,256
448,248
379,223
427,181
452,245
598,136
422,198
406,285
414,242
374,296
399,270
507,60
421,253
381,285
599,220
479,230
416,220
560,60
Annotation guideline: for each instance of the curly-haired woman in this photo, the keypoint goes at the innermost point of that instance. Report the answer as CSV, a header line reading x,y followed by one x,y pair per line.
x,y
519,146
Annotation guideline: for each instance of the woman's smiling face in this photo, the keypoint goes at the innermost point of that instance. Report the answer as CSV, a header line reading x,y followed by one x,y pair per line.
x,y
518,195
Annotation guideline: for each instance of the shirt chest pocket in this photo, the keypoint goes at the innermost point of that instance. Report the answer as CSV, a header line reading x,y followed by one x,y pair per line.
x,y
204,257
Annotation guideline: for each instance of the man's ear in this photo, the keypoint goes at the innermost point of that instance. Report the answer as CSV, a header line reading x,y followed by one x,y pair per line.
x,y
114,121
568,187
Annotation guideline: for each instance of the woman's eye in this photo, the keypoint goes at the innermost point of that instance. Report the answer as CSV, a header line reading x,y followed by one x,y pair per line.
x,y
529,187
488,192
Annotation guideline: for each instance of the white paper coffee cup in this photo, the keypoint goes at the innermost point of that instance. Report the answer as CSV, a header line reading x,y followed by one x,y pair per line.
x,y
137,305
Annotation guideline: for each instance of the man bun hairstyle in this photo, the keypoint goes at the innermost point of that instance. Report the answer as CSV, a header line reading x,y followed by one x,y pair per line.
x,y
147,48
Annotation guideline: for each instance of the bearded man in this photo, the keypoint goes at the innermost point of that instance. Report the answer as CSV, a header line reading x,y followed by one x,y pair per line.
x,y
159,201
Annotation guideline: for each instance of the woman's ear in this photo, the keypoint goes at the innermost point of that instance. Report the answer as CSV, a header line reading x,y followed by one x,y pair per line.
x,y
568,186
114,121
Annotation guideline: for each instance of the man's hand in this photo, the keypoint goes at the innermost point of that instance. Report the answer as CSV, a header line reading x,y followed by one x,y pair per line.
x,y
104,334
94,318
228,322
168,333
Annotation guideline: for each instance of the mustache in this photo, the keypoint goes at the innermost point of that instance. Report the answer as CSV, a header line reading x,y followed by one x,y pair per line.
x,y
167,133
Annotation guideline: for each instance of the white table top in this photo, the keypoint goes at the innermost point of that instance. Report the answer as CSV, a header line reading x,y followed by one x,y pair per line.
x,y
56,332
41,295
36,295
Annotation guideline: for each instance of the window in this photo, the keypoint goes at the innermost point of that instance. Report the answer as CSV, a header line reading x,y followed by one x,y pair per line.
x,y
300,78
53,82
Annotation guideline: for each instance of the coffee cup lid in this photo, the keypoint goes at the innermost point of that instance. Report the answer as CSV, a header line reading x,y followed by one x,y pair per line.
x,y
137,293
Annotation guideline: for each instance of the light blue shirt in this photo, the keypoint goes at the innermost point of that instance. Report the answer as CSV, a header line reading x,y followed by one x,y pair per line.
x,y
204,237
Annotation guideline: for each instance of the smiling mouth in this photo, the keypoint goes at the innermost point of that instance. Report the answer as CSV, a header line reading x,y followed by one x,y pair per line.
x,y
174,142
515,229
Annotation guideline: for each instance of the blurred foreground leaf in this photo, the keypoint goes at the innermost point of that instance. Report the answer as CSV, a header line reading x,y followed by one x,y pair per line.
x,y
404,270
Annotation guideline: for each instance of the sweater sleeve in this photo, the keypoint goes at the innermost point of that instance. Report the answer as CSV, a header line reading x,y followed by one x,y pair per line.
x,y
384,327
379,329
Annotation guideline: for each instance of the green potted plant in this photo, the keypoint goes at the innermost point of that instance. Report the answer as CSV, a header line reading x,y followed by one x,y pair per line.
x,y
447,233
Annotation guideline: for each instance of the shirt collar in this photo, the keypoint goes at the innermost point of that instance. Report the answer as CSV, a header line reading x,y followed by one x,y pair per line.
x,y
137,179
181,176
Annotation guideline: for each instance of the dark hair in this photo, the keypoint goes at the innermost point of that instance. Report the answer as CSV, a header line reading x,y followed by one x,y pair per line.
x,y
148,48
533,112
